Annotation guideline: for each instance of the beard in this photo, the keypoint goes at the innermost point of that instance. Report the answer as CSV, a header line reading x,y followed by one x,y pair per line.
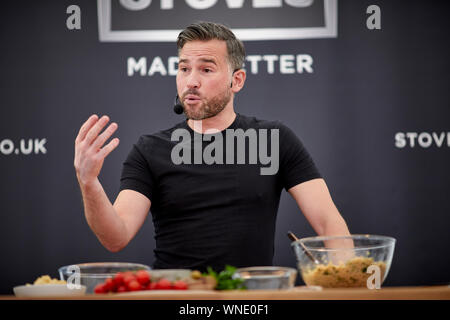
x,y
206,108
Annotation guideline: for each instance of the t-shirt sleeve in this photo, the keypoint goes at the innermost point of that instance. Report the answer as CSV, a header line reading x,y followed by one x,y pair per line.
x,y
136,173
296,164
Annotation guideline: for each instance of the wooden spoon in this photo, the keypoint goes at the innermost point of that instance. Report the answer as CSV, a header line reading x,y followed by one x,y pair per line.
x,y
293,237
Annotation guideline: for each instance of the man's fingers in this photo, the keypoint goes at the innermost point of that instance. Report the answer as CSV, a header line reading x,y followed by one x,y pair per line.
x,y
85,127
101,139
95,130
106,150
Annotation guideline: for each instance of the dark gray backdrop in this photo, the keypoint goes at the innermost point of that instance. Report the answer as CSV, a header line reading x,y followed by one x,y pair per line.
x,y
367,85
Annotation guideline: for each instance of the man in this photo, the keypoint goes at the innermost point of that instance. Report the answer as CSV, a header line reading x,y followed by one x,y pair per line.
x,y
204,214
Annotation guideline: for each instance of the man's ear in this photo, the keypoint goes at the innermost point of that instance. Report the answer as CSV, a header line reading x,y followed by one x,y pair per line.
x,y
238,80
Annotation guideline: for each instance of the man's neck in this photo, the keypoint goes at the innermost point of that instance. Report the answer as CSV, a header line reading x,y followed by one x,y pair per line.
x,y
219,122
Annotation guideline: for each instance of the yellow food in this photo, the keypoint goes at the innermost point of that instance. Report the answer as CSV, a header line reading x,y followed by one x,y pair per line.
x,y
47,280
202,283
196,274
353,273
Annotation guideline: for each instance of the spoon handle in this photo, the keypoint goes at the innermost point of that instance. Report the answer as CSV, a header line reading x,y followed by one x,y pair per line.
x,y
294,238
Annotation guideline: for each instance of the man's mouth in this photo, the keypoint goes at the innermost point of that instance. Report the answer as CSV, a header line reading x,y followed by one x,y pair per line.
x,y
191,98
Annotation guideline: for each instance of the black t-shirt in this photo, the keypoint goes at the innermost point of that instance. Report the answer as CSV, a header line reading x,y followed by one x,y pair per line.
x,y
215,214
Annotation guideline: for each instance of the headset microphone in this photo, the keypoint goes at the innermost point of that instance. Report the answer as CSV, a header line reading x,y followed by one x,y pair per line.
x,y
178,107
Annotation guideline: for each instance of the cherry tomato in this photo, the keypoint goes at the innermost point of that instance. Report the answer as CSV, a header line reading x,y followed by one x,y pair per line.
x,y
109,285
100,288
118,279
128,273
128,278
134,286
122,288
163,284
180,285
143,277
152,286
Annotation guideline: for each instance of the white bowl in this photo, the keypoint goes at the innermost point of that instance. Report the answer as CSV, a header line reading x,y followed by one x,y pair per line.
x,y
47,290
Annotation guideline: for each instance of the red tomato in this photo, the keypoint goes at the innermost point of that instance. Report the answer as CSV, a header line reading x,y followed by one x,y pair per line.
x,y
152,286
128,278
118,279
180,285
100,288
122,288
143,277
134,286
109,285
128,273
163,284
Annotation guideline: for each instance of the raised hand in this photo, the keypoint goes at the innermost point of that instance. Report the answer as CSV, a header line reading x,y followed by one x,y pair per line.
x,y
89,150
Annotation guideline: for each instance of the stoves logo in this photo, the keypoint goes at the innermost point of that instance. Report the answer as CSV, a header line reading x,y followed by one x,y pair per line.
x,y
162,20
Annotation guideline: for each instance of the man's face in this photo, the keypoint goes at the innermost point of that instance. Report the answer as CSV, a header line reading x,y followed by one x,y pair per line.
x,y
204,78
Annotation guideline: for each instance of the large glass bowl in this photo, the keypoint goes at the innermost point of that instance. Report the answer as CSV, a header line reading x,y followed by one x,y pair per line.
x,y
94,273
344,261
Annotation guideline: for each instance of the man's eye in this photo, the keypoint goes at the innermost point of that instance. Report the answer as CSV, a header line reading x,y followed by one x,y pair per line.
x,y
207,70
183,69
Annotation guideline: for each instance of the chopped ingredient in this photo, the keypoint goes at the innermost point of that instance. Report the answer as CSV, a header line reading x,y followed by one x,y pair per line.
x,y
225,279
349,274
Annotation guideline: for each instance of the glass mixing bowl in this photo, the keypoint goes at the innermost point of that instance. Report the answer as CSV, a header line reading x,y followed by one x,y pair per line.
x,y
267,277
94,273
344,261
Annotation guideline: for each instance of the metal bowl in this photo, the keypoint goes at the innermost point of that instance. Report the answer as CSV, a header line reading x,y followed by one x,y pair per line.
x,y
267,278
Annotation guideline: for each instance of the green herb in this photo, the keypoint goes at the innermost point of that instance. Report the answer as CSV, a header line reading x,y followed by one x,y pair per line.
x,y
225,279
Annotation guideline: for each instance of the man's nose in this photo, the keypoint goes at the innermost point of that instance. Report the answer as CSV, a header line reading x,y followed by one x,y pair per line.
x,y
193,81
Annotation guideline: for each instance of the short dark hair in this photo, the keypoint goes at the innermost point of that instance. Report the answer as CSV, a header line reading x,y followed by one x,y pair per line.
x,y
205,31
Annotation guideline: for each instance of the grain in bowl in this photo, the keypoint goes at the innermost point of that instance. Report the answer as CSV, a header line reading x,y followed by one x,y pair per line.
x,y
352,273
